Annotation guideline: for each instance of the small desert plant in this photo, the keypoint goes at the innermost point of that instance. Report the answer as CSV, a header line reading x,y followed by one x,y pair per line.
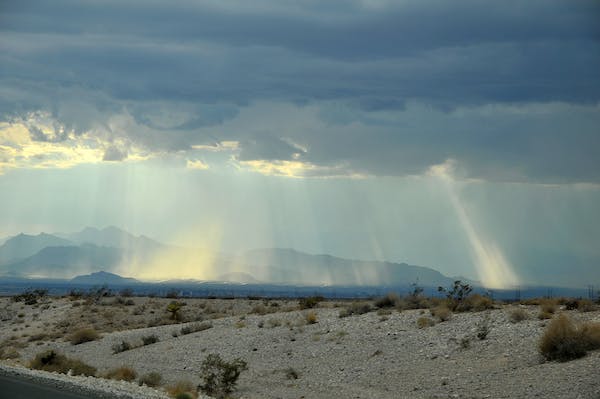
x,y
311,317
585,305
476,302
423,322
272,322
442,313
548,306
53,361
195,327
182,389
291,374
220,376
456,294
483,327
174,308
545,315
390,300
562,340
356,308
153,379
150,339
121,347
310,302
84,335
517,315
122,373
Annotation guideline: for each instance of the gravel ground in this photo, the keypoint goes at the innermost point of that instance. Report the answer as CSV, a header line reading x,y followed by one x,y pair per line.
x,y
365,356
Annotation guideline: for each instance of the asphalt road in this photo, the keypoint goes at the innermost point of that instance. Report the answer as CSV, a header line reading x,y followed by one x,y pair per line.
x,y
13,387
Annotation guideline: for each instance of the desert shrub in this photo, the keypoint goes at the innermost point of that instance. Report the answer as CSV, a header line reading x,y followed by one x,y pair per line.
x,y
122,373
153,379
390,300
545,315
456,294
150,339
483,327
517,315
590,333
571,304
121,347
423,322
9,353
181,388
548,306
53,361
84,335
259,309
195,327
562,340
356,308
174,308
291,374
220,376
126,292
476,303
30,297
585,305
311,317
273,322
442,313
310,302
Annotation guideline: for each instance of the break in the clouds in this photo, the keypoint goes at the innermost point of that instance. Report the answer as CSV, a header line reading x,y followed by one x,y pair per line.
x,y
508,90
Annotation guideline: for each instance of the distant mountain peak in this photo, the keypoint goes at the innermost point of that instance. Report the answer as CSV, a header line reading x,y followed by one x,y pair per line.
x,y
102,277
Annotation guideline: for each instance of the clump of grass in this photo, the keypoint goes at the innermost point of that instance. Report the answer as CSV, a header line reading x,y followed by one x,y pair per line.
x,y
273,322
564,340
84,335
311,318
53,361
195,327
545,315
518,315
390,300
548,306
182,389
152,379
219,376
476,303
424,322
150,339
585,305
442,313
356,308
122,373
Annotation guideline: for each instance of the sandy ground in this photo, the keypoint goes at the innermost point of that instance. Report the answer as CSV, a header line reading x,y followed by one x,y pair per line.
x,y
374,355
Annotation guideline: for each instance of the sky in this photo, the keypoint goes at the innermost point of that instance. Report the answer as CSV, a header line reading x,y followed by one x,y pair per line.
x,y
462,136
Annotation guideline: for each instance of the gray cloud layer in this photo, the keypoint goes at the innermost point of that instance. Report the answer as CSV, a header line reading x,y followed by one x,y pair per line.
x,y
391,80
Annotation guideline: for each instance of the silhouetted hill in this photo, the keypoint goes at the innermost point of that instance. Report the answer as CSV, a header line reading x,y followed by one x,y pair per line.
x,y
112,237
66,261
24,245
101,278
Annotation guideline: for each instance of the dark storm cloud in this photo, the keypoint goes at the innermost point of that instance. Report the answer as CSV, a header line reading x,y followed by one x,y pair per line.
x,y
84,62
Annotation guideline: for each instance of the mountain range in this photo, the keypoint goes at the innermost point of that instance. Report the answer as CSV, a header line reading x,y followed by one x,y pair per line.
x,y
65,255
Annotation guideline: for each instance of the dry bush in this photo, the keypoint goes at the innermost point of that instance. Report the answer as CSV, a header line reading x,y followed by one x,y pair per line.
x,y
585,305
565,340
195,327
356,308
150,339
310,302
476,303
390,300
273,322
423,322
153,379
545,315
548,306
122,347
122,373
311,318
84,335
53,361
219,376
9,353
517,315
181,388
442,313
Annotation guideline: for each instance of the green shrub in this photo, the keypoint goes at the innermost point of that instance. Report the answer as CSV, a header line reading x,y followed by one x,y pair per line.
x,y
84,335
220,376
151,379
174,308
53,361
